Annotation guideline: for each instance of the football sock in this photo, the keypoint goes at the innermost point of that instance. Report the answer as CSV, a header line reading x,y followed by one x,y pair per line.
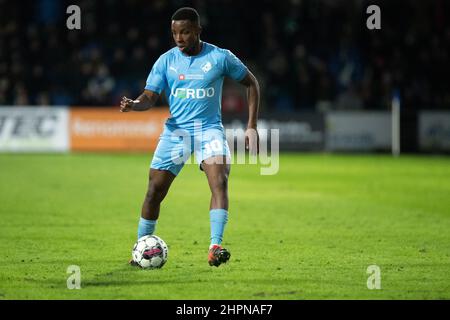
x,y
146,227
218,219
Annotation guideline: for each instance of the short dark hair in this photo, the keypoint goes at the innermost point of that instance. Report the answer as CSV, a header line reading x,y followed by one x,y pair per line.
x,y
187,13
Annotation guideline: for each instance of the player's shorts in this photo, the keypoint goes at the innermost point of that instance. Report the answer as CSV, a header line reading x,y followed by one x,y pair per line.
x,y
175,146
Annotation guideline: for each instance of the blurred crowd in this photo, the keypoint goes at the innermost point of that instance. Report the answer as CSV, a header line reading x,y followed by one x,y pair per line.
x,y
307,54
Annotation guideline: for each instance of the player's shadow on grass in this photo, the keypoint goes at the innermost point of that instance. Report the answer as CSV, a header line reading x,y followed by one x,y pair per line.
x,y
149,277
146,277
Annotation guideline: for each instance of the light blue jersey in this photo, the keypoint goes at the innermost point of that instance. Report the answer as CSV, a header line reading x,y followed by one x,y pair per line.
x,y
193,84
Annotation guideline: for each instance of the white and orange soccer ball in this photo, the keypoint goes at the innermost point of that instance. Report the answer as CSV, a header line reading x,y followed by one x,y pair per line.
x,y
150,252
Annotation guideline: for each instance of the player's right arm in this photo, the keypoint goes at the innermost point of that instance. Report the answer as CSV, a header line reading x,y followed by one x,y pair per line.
x,y
144,102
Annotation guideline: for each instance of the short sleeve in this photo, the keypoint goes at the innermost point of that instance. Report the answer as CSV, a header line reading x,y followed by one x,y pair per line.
x,y
233,67
156,80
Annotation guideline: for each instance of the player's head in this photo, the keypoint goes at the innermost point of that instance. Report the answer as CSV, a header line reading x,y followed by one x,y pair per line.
x,y
186,28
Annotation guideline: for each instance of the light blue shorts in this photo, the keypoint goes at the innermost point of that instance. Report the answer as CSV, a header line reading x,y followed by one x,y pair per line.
x,y
175,146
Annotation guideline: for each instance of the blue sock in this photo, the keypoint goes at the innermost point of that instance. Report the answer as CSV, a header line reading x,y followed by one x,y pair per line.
x,y
218,219
146,227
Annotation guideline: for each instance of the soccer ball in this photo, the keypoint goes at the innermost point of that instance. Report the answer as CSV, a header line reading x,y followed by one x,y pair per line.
x,y
150,252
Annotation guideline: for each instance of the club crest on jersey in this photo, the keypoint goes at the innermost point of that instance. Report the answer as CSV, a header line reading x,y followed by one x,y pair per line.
x,y
206,67
181,77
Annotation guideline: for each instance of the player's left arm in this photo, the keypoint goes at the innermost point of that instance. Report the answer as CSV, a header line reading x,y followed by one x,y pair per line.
x,y
253,98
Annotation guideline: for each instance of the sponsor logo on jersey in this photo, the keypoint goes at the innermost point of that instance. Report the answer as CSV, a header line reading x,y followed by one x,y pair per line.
x,y
195,77
191,77
187,93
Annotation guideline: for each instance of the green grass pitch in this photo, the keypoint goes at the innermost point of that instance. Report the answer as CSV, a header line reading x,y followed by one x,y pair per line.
x,y
309,232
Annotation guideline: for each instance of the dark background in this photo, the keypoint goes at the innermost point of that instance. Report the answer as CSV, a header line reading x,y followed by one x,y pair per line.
x,y
309,55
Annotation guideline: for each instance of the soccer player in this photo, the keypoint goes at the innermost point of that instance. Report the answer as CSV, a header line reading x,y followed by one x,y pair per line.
x,y
191,75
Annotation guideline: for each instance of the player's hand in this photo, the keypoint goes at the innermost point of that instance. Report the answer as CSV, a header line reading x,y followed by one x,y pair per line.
x,y
252,141
126,104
